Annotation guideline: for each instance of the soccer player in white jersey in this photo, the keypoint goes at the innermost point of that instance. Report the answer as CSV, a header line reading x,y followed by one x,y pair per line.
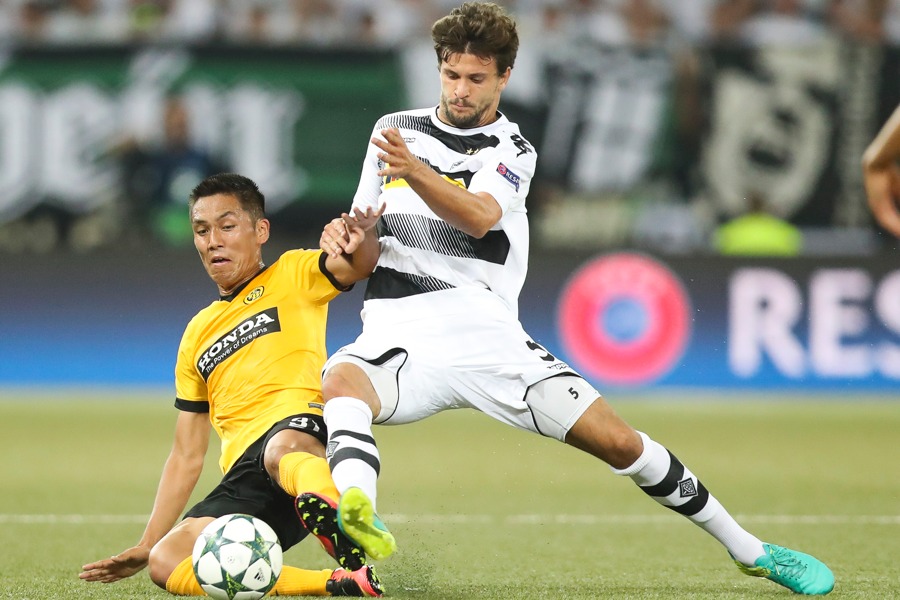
x,y
881,174
440,315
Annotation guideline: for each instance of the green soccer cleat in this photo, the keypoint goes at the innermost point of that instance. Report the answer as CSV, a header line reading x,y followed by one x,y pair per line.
x,y
798,572
357,519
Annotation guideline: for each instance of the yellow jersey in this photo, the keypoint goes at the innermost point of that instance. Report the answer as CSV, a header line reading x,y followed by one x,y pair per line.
x,y
255,357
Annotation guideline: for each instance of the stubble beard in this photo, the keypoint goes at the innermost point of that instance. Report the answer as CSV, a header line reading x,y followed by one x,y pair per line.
x,y
469,122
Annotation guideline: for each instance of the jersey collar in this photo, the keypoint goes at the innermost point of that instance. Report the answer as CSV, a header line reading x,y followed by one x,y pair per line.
x,y
501,119
238,289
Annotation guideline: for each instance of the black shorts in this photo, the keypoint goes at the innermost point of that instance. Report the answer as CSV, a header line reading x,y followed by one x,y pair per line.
x,y
247,488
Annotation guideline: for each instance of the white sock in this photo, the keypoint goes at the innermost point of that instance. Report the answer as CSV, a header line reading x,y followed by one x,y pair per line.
x,y
662,477
351,452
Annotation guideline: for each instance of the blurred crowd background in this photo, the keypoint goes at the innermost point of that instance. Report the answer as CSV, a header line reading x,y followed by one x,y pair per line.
x,y
677,126
640,23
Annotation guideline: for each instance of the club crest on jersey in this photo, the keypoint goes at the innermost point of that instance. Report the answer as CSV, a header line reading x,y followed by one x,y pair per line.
x,y
508,175
256,294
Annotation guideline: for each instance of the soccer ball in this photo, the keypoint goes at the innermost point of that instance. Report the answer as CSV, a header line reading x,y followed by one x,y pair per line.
x,y
237,557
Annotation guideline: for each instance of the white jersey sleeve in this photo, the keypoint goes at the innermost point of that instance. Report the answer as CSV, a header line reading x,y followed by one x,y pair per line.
x,y
368,191
506,172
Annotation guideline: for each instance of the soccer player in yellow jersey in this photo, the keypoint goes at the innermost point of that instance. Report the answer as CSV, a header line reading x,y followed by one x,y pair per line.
x,y
250,364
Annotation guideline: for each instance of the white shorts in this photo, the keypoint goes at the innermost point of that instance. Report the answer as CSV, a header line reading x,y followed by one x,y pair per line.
x,y
424,366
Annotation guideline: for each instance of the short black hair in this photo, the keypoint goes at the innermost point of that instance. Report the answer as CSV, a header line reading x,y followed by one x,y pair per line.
x,y
480,28
232,184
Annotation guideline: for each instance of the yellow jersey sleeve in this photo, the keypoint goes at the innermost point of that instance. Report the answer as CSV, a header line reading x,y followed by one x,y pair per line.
x,y
312,276
190,388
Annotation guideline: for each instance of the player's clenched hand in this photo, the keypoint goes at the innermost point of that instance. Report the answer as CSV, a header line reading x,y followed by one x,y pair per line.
x,y
358,223
399,161
335,237
883,191
116,567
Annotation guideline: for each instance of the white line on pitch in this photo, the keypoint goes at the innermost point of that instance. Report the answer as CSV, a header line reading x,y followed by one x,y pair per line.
x,y
528,519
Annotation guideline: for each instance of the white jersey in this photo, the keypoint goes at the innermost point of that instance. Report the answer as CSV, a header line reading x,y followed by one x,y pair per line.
x,y
420,252
440,319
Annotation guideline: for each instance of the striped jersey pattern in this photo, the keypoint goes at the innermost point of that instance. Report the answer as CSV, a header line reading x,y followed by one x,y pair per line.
x,y
418,231
420,252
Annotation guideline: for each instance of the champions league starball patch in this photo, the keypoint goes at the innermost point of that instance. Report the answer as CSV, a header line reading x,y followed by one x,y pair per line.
x,y
625,319
508,175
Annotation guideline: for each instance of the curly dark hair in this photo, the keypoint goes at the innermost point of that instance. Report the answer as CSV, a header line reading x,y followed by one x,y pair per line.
x,y
480,28
232,184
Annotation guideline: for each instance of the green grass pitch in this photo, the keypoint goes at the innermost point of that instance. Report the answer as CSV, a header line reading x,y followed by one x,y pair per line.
x,y
482,511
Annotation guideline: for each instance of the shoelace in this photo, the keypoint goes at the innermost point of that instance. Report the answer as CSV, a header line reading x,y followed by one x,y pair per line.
x,y
788,565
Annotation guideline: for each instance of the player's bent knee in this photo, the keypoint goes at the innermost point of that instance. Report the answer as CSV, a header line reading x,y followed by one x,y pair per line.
x,y
557,403
333,386
342,380
175,546
161,565
356,378
287,441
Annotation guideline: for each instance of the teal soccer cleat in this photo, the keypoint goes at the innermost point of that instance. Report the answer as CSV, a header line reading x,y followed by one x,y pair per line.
x,y
358,521
798,572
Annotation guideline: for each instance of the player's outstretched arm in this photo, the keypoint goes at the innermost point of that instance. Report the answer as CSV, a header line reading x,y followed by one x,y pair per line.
x,y
473,214
114,568
881,175
351,243
179,476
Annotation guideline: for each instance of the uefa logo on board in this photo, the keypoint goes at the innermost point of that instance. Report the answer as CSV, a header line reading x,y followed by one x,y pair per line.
x,y
624,319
